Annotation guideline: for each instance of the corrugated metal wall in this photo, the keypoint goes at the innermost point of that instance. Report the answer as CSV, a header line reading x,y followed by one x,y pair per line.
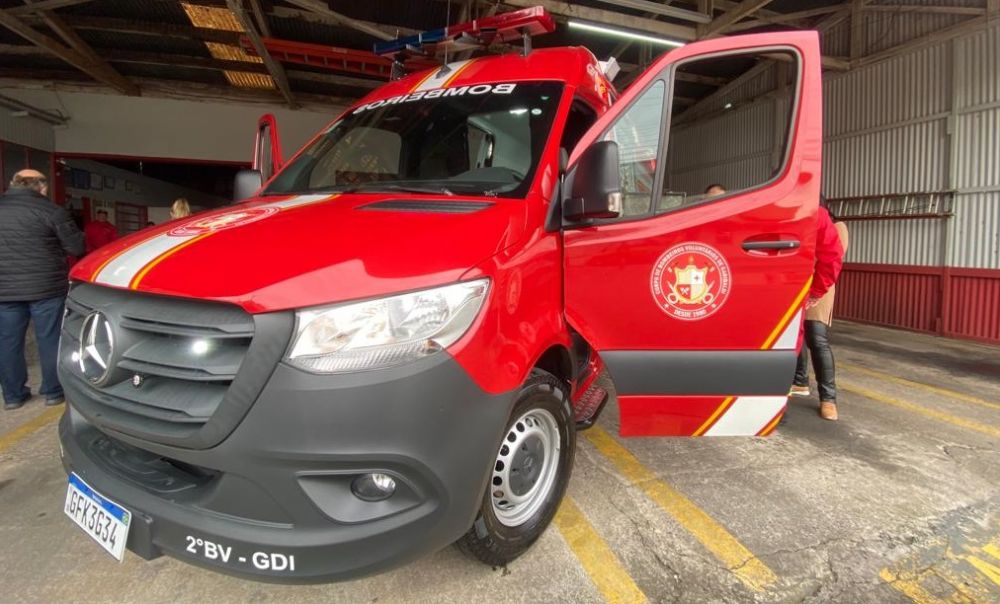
x,y
886,129
972,311
743,161
906,298
975,236
925,121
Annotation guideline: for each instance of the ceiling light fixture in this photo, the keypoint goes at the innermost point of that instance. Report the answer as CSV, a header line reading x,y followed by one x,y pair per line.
x,y
623,33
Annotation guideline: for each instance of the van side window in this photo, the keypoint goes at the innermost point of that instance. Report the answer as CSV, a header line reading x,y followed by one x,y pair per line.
x,y
581,117
638,132
724,132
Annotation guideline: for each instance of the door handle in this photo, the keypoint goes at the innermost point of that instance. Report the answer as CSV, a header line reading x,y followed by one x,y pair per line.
x,y
780,244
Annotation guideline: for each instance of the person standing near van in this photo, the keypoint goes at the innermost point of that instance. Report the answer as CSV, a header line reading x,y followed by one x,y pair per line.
x,y
99,232
180,209
819,317
36,235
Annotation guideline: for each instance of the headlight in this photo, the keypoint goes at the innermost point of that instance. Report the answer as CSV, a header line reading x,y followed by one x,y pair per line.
x,y
386,331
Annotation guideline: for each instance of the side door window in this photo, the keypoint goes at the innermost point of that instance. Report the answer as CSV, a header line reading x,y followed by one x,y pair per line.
x,y
638,133
733,138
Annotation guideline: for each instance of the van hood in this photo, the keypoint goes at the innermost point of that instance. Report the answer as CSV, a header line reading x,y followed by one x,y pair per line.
x,y
291,252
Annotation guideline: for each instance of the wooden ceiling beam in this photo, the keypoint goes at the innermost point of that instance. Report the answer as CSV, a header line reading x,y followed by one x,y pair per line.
x,y
321,8
834,18
167,30
694,78
197,62
98,70
959,29
284,12
273,67
21,11
783,19
928,9
719,25
73,39
186,61
258,13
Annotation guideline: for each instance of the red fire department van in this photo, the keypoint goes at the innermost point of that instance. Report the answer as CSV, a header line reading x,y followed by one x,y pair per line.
x,y
389,347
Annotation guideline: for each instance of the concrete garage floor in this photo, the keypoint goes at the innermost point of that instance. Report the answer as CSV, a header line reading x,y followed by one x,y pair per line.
x,y
898,501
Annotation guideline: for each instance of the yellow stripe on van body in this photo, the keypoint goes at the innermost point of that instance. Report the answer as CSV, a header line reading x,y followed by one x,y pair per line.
x,y
786,319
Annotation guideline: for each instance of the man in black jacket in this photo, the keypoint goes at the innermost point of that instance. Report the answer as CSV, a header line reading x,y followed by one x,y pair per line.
x,y
35,237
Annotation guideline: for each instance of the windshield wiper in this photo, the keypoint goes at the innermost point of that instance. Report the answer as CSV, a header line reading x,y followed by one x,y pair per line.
x,y
386,186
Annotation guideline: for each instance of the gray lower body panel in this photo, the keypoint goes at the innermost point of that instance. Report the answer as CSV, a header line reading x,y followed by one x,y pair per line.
x,y
697,372
274,498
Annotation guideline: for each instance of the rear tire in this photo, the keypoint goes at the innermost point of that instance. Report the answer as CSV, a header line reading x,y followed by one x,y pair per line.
x,y
530,473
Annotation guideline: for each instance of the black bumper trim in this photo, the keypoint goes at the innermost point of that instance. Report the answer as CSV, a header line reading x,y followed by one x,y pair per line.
x,y
425,423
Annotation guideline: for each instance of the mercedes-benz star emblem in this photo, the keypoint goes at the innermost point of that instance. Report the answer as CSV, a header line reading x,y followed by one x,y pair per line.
x,y
97,346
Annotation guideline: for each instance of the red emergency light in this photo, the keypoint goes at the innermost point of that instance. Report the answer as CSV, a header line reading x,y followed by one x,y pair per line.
x,y
500,28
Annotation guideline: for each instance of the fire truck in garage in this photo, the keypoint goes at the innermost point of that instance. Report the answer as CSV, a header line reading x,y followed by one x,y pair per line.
x,y
389,346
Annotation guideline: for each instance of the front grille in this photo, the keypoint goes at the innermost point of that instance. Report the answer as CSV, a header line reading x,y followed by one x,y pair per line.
x,y
177,364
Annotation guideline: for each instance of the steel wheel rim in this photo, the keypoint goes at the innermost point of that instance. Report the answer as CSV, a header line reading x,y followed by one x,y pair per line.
x,y
525,468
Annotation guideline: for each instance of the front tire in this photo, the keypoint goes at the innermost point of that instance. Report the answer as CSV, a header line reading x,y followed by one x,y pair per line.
x,y
529,476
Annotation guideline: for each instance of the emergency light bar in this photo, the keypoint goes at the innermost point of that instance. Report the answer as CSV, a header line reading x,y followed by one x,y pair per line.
x,y
412,53
489,30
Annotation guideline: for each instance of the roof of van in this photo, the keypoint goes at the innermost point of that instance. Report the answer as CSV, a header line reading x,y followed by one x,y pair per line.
x,y
575,66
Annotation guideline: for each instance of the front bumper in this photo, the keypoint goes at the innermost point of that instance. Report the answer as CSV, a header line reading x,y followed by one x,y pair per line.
x,y
273,501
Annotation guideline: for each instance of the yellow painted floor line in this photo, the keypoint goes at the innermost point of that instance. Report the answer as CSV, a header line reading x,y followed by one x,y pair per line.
x,y
920,409
990,571
905,382
597,559
909,588
28,428
733,554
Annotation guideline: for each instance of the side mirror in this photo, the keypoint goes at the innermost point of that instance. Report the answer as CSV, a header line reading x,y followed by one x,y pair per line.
x,y
247,183
593,186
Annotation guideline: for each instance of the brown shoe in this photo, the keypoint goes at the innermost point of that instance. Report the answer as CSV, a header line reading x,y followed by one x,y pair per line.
x,y
828,410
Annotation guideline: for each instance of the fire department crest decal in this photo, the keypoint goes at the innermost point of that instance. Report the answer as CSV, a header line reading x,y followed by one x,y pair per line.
x,y
222,221
690,281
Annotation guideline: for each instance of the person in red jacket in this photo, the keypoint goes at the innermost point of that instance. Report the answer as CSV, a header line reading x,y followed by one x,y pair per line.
x,y
99,232
830,245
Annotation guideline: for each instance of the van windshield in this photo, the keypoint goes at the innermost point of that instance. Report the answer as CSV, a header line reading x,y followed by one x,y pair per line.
x,y
485,139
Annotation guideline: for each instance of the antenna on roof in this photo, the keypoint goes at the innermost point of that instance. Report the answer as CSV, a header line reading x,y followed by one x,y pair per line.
x,y
447,21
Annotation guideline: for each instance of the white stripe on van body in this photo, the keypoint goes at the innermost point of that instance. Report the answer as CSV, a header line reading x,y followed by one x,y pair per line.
x,y
747,416
120,271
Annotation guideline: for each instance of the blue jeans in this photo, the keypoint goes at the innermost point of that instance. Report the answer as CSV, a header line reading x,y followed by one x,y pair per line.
x,y
47,315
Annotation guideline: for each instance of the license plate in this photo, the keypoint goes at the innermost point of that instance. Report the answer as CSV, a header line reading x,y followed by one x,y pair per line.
x,y
104,520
